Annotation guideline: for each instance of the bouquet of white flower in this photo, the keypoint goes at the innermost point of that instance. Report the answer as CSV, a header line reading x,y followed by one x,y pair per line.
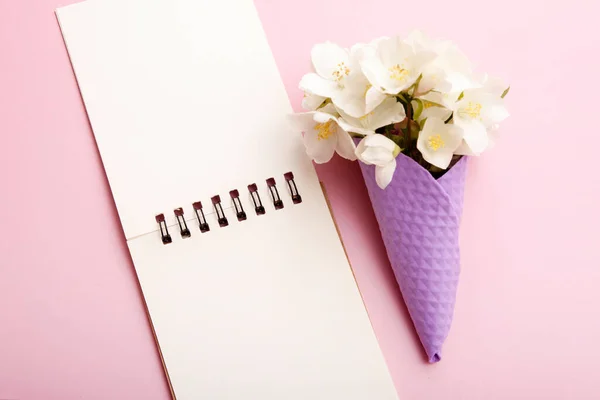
x,y
410,109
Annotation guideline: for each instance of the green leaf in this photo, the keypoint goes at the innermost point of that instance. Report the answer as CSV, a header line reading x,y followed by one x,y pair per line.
x,y
505,92
418,109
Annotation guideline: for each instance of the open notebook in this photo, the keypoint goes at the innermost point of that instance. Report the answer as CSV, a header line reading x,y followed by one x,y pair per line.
x,y
186,104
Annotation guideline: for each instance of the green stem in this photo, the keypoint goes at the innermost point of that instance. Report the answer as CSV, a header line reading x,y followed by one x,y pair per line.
x,y
408,126
419,109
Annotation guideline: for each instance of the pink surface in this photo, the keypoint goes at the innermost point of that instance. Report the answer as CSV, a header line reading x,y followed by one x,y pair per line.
x,y
72,322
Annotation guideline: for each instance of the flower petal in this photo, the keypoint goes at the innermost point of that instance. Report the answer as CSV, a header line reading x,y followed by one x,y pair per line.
x,y
419,40
377,155
494,85
302,122
351,96
380,141
375,72
454,136
328,57
398,67
326,113
311,101
360,149
449,99
491,108
440,159
389,112
438,141
393,51
314,84
433,106
464,150
319,149
474,135
451,58
384,174
351,125
345,145
373,98
376,149
434,78
418,61
360,51
494,112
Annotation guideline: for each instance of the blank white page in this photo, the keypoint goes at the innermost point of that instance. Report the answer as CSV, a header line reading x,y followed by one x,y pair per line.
x,y
177,91
185,102
265,308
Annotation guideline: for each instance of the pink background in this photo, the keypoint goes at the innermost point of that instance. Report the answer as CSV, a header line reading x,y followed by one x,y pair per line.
x,y
72,321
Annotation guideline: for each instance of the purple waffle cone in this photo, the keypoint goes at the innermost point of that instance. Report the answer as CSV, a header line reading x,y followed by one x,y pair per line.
x,y
419,219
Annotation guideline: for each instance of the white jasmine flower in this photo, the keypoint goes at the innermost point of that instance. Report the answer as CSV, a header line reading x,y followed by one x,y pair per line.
x,y
474,113
433,78
438,141
394,66
311,102
339,77
433,105
380,151
493,85
493,136
457,67
420,41
450,71
389,112
322,134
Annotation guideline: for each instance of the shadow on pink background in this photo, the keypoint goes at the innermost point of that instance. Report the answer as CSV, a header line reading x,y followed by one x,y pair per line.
x,y
72,322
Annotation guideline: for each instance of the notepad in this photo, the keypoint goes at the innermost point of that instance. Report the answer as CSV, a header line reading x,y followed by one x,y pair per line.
x,y
245,279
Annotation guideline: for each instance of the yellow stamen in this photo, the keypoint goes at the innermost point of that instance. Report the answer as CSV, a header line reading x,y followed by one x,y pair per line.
x,y
398,73
324,130
472,110
435,142
341,71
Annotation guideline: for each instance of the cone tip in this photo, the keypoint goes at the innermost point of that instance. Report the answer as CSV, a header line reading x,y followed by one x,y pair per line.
x,y
436,357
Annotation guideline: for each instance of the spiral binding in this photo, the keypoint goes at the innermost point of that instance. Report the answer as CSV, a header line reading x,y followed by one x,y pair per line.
x,y
183,229
277,202
258,207
238,207
202,224
221,218
164,231
289,178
